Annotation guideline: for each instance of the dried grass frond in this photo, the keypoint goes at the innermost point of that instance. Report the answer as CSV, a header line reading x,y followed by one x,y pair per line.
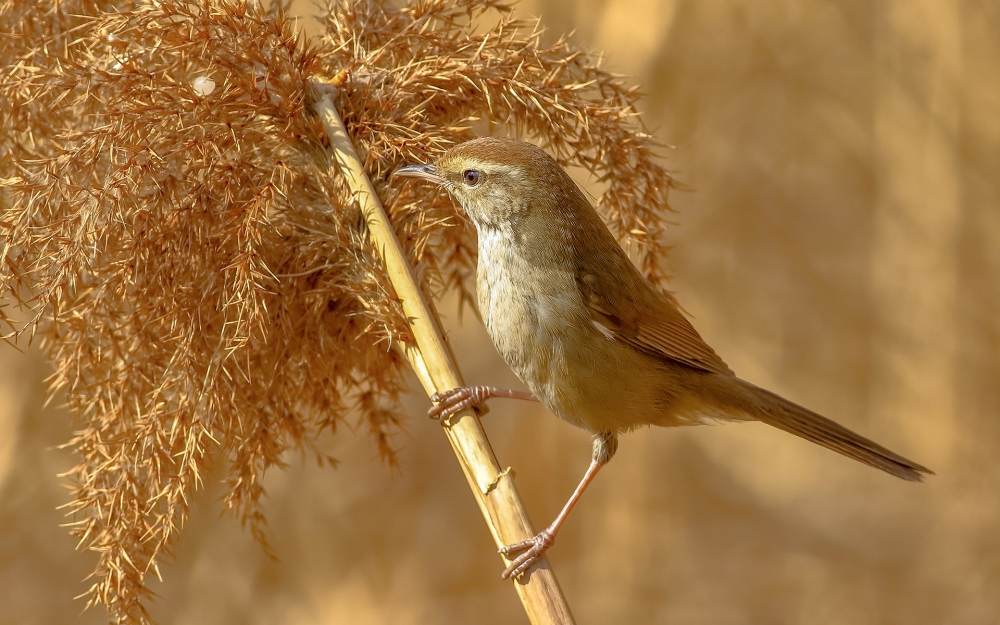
x,y
201,280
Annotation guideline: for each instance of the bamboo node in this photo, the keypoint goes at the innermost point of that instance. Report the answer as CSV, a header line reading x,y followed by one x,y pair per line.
x,y
508,472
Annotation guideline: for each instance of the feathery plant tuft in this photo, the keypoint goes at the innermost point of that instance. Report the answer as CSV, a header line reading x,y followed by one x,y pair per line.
x,y
173,231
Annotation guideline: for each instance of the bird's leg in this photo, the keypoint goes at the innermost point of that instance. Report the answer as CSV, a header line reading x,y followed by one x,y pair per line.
x,y
605,445
450,403
533,548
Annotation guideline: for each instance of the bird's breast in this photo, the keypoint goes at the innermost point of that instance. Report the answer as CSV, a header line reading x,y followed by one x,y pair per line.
x,y
528,306
533,311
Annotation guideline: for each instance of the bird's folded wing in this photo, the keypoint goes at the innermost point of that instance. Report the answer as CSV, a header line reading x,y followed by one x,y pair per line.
x,y
647,320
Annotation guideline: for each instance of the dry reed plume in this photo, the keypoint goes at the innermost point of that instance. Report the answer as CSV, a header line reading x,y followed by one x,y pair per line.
x,y
173,229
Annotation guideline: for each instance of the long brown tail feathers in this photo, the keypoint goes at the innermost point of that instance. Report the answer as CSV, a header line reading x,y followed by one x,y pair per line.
x,y
777,411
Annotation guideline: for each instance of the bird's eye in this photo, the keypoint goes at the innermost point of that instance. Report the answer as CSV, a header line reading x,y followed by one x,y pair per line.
x,y
472,177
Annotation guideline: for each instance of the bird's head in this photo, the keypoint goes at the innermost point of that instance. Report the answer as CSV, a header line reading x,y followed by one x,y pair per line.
x,y
499,181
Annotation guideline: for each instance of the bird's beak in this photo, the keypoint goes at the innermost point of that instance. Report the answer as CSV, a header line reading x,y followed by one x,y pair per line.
x,y
424,172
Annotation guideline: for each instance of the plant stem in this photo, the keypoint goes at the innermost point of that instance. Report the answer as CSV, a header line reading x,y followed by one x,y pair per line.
x,y
434,364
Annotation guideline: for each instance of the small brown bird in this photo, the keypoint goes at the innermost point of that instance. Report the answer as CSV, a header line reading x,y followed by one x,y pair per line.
x,y
595,342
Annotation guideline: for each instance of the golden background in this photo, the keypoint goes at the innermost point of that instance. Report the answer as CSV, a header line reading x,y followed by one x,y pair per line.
x,y
839,243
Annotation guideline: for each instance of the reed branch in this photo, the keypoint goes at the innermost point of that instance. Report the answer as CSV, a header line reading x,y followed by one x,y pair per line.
x,y
435,366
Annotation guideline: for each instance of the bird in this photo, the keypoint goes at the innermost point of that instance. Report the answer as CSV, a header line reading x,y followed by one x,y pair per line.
x,y
594,341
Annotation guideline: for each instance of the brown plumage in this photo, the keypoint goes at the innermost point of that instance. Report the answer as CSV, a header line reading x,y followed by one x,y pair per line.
x,y
590,336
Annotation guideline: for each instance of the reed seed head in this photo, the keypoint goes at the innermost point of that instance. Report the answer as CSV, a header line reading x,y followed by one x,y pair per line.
x,y
173,230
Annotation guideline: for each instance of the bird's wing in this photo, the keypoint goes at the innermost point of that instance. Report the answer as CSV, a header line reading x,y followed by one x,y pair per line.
x,y
638,315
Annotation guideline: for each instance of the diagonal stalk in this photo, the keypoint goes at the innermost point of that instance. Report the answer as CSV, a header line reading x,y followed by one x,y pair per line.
x,y
434,364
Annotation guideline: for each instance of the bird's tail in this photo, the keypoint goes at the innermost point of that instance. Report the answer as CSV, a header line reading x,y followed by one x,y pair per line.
x,y
777,411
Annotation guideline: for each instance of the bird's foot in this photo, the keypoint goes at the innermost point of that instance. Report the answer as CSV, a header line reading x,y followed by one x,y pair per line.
x,y
531,551
450,403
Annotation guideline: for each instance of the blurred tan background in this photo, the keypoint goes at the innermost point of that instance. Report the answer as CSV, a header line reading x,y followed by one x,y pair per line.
x,y
839,244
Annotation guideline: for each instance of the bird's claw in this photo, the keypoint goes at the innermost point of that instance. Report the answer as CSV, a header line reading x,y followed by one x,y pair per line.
x,y
531,550
450,403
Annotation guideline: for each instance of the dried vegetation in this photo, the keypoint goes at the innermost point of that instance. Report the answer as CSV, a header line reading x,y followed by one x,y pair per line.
x,y
173,232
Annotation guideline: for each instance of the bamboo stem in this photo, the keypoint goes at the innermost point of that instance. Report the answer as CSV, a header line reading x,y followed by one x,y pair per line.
x,y
434,365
